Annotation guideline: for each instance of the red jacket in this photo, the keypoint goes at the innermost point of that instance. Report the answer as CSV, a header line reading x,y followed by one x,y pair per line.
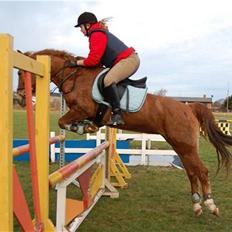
x,y
97,46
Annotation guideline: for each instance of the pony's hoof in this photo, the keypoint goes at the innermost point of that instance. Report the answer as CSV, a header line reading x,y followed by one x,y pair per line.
x,y
197,209
212,207
198,212
91,128
216,212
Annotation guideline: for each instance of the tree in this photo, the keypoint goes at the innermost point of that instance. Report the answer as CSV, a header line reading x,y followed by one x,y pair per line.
x,y
227,103
161,92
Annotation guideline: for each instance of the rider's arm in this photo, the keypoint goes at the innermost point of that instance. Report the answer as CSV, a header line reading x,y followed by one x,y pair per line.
x,y
97,46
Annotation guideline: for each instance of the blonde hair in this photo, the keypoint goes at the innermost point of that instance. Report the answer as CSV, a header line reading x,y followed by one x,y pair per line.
x,y
104,22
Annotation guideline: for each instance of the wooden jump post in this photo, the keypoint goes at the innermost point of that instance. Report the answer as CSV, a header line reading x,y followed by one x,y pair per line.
x,y
93,184
9,60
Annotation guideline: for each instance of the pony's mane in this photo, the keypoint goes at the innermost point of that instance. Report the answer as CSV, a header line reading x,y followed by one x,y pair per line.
x,y
53,52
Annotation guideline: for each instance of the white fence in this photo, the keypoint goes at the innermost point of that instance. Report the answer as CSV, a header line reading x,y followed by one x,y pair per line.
x,y
145,155
142,156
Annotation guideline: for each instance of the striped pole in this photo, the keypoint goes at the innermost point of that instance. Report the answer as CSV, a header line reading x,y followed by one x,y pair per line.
x,y
66,171
17,151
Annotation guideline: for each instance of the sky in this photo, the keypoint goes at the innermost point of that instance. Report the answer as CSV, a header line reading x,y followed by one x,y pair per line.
x,y
185,46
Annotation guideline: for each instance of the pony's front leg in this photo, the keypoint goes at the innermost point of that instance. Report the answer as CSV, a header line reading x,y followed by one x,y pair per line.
x,y
82,127
72,121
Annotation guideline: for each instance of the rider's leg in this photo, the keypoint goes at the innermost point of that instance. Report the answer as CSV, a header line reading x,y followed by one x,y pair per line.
x,y
122,70
117,73
111,95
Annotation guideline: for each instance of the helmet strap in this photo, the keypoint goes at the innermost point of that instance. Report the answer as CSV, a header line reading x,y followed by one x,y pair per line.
x,y
86,29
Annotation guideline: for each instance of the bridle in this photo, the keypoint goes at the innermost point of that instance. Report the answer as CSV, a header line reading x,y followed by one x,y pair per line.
x,y
65,78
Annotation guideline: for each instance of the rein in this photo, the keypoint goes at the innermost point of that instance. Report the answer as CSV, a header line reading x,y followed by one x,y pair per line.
x,y
64,79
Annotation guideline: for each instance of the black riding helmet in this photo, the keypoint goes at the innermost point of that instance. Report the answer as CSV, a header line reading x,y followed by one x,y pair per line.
x,y
86,17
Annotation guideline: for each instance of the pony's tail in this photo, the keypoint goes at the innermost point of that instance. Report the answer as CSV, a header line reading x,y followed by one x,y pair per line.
x,y
210,129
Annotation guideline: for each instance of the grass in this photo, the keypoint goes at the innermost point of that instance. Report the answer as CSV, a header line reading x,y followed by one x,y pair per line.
x,y
20,126
158,198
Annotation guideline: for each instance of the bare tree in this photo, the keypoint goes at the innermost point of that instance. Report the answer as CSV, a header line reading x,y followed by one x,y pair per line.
x,y
161,92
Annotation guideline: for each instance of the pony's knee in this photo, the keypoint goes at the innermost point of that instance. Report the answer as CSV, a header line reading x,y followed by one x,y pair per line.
x,y
61,123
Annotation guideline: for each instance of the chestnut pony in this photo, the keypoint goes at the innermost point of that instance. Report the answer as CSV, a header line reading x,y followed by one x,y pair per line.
x,y
178,123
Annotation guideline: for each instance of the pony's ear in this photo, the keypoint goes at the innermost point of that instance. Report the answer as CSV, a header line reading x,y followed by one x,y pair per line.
x,y
25,53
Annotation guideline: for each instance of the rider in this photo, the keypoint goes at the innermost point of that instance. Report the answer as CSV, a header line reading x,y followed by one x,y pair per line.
x,y
108,50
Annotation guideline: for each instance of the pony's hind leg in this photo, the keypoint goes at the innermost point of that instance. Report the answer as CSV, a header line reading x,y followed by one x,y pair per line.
x,y
196,197
197,171
193,178
202,173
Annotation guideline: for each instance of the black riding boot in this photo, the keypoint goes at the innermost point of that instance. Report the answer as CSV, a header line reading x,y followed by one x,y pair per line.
x,y
111,95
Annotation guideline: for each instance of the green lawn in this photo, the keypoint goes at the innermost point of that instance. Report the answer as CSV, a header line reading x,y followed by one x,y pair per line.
x,y
158,198
20,126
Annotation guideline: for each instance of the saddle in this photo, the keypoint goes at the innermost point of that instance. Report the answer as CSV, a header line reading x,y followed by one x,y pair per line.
x,y
132,95
122,86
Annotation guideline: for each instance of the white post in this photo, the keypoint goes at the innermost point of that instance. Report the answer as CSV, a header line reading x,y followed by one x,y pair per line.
x,y
61,207
98,137
149,144
143,154
52,148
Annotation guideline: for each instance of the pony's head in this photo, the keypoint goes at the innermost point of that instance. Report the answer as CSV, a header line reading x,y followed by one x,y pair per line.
x,y
59,68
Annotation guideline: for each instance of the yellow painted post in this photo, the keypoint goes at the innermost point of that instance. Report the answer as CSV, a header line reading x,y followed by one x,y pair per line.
x,y
42,139
6,127
117,168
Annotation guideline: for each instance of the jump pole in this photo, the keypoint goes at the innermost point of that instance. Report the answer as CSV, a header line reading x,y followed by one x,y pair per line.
x,y
17,151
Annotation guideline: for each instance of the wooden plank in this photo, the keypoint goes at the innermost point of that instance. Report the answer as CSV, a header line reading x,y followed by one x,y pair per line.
x,y
21,209
42,139
6,122
26,63
74,208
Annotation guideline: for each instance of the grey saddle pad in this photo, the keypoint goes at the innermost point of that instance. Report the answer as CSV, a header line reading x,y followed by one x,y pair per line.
x,y
132,100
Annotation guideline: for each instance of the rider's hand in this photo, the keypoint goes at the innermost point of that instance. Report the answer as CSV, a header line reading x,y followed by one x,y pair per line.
x,y
80,62
72,64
